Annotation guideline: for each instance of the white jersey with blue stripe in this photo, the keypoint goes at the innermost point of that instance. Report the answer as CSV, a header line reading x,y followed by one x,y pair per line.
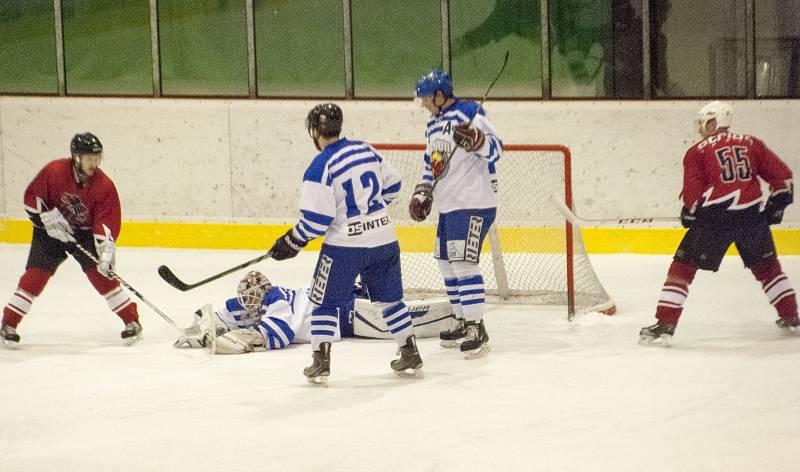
x,y
283,318
346,190
471,180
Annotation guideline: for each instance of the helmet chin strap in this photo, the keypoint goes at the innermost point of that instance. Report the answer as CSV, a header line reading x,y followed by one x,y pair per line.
x,y
77,173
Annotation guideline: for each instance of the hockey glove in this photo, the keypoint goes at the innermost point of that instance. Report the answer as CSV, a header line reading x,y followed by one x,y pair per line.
x,y
471,139
57,226
107,252
420,206
687,217
775,206
287,246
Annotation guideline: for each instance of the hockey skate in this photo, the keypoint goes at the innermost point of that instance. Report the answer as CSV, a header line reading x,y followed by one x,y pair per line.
x,y
791,326
476,340
132,332
319,370
656,334
9,337
452,336
410,363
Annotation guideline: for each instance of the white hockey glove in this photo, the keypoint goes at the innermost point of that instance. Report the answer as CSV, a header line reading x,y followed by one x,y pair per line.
x,y
193,336
239,341
107,252
57,226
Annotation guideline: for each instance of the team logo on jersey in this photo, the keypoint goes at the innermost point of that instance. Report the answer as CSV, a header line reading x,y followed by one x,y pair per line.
x,y
321,279
73,209
441,148
358,228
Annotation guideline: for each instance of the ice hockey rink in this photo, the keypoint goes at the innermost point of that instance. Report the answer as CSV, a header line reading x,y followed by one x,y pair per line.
x,y
551,396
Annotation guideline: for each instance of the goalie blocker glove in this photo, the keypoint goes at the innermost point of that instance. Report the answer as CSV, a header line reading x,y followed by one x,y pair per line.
x,y
776,204
470,139
287,246
420,206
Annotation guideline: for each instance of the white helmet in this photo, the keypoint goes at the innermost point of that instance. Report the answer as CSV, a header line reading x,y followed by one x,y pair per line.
x,y
251,290
720,111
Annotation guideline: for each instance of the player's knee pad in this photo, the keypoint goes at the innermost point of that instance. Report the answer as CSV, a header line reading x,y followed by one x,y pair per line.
x,y
464,269
681,272
446,269
34,280
767,269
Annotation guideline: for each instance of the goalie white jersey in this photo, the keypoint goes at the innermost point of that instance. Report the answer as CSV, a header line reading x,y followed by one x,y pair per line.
x,y
283,318
470,182
346,190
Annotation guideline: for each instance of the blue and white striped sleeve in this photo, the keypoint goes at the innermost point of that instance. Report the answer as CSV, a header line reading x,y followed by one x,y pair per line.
x,y
492,149
391,181
317,203
274,323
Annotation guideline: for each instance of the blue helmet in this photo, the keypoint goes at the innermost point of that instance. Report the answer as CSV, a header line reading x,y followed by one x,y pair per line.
x,y
435,80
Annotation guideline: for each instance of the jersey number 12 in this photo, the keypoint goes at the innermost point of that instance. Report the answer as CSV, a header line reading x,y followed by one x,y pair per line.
x,y
368,181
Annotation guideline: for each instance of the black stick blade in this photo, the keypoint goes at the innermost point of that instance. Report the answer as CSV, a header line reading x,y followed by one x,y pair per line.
x,y
172,279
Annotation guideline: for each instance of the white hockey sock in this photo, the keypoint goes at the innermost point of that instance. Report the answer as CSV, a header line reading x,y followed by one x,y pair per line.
x,y
451,285
324,322
398,320
117,299
471,289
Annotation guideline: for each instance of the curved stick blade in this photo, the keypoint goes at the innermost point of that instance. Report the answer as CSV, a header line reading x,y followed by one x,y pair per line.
x,y
172,279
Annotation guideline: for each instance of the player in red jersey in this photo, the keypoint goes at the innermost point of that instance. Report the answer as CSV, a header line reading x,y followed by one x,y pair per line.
x,y
71,201
722,206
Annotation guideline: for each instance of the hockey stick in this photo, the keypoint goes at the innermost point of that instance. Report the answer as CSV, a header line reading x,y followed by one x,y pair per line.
x,y
578,221
129,287
173,280
446,163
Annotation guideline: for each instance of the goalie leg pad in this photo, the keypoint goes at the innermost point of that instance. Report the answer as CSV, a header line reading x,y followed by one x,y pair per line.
x,y
239,341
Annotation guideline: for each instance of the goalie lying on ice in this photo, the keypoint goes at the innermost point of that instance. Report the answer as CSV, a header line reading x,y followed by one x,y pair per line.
x,y
266,317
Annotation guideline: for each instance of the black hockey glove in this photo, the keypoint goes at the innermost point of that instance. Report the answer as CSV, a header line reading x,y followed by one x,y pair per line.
x,y
420,206
687,217
471,139
287,246
775,206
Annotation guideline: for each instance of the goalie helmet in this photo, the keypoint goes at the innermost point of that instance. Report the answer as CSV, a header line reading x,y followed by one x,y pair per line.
x,y
251,290
324,120
434,80
720,111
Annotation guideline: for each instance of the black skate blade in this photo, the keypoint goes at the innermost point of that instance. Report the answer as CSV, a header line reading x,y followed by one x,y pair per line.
x,y
477,353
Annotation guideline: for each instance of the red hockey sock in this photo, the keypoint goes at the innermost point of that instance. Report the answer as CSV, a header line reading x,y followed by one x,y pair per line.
x,y
30,286
674,293
117,299
777,287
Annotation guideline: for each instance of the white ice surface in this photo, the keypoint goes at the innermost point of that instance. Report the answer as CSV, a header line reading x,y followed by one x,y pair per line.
x,y
551,396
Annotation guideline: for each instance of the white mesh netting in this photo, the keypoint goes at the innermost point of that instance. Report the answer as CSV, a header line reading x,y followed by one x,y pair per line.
x,y
531,263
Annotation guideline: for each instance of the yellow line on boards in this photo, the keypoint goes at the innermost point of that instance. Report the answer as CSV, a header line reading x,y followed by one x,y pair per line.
x,y
412,239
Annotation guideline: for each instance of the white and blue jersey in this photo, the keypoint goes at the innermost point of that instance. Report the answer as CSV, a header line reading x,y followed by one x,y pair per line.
x,y
346,190
284,317
471,180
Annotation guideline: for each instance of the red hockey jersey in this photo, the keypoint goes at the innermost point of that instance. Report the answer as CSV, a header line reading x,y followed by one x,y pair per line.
x,y
94,206
723,170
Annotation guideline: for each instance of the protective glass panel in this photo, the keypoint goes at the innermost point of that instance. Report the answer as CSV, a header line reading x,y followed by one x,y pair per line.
x,y
300,48
203,47
28,47
394,43
698,48
481,33
777,48
107,47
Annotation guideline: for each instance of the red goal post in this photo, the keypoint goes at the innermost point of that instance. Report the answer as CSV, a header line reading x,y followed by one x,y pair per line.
x,y
537,256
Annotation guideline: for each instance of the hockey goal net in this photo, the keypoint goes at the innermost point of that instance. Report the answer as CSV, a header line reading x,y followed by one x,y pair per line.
x,y
531,256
